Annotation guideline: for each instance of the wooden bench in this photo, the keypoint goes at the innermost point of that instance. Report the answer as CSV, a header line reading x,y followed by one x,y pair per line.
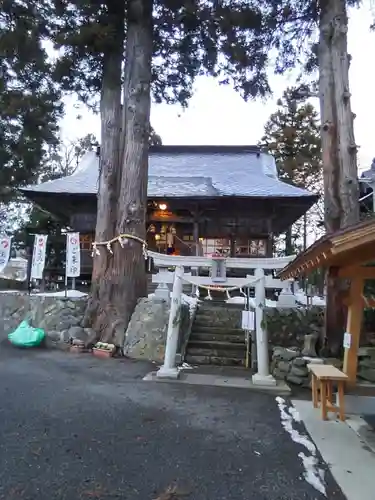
x,y
323,377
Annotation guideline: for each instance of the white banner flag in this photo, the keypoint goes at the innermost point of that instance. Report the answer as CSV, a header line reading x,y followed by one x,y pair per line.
x,y
5,244
73,255
39,256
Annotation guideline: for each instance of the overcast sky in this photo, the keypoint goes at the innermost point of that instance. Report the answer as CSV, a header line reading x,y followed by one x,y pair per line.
x,y
218,115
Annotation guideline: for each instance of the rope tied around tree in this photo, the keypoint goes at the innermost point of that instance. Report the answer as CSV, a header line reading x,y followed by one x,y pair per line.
x,y
122,239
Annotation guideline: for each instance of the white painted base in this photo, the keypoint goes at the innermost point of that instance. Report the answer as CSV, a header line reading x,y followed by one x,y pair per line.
x,y
164,372
266,380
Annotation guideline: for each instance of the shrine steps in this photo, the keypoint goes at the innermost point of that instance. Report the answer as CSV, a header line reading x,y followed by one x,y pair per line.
x,y
216,337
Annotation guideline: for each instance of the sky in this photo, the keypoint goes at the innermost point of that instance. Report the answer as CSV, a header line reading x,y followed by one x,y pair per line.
x,y
217,115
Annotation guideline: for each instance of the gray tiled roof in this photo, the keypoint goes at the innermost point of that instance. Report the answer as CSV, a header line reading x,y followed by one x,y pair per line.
x,y
189,174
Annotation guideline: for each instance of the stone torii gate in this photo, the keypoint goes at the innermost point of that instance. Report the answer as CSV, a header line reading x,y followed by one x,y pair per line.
x,y
259,281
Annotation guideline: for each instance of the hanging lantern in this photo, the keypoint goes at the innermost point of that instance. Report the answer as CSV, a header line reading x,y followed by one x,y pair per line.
x,y
173,230
152,228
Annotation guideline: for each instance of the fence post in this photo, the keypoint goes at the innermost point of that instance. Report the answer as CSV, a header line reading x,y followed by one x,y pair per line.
x,y
263,376
169,369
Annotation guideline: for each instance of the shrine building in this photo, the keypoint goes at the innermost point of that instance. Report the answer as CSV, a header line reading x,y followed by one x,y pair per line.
x,y
201,200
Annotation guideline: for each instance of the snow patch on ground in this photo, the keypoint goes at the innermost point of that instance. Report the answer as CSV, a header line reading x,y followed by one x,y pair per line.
x,y
304,300
300,298
192,302
242,300
313,474
69,293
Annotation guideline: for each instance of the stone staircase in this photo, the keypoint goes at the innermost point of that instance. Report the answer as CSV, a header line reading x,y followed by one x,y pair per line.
x,y
216,337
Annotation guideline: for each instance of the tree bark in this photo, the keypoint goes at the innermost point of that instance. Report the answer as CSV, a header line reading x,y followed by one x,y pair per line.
x,y
129,263
347,149
341,190
289,250
99,313
331,166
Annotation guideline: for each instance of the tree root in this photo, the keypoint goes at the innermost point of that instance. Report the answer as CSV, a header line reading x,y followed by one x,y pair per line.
x,y
106,322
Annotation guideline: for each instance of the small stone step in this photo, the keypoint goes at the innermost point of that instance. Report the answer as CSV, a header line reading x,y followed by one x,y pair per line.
x,y
213,360
238,353
216,330
218,337
222,304
222,347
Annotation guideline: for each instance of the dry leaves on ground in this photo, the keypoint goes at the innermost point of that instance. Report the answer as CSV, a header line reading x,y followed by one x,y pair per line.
x,y
173,492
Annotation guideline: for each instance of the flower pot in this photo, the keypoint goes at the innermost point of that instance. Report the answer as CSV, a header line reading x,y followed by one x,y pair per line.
x,y
103,353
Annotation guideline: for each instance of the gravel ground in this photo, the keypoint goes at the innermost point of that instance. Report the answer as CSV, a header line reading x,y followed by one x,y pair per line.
x,y
73,427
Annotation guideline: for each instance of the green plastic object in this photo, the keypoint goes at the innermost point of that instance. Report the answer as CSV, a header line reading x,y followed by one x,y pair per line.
x,y
26,336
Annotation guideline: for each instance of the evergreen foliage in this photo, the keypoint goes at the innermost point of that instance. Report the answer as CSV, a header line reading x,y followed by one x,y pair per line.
x,y
30,104
292,136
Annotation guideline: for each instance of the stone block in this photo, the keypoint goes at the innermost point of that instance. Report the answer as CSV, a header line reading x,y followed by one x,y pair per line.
x,y
316,361
366,352
293,379
283,366
309,345
299,371
147,331
285,354
367,374
77,332
54,335
64,336
367,363
278,374
299,362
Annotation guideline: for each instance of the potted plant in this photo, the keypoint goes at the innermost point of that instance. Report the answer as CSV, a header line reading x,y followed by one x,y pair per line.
x,y
103,350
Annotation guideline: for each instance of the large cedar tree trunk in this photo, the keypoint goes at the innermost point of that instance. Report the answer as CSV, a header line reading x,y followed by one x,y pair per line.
x,y
127,265
99,313
338,151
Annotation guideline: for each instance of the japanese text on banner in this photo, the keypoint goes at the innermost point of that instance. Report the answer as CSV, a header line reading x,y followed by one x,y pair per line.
x,y
73,255
39,256
5,245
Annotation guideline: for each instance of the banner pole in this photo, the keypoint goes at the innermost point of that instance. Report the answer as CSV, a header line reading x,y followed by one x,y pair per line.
x,y
66,266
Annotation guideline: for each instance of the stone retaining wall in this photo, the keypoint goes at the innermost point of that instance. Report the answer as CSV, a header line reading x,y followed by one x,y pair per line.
x,y
288,327
366,364
59,317
290,365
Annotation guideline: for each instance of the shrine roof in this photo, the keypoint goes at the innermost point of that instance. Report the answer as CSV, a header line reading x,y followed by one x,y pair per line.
x,y
190,171
349,247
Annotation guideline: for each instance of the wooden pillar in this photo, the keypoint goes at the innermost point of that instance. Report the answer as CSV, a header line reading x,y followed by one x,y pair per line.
x,y
353,327
196,234
269,243
232,240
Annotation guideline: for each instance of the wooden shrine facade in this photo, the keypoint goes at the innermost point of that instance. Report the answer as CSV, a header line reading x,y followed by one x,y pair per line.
x,y
201,200
346,254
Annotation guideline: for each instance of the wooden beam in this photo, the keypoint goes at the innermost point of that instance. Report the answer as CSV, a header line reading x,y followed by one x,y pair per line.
x,y
367,302
353,327
366,273
355,257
